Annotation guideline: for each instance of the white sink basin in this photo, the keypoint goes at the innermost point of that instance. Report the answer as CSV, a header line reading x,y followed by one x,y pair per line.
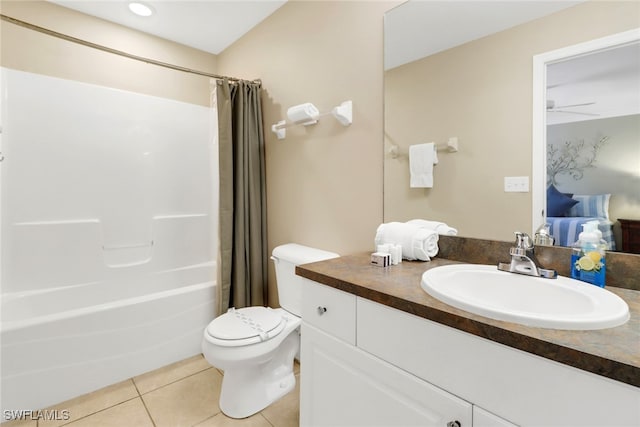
x,y
561,303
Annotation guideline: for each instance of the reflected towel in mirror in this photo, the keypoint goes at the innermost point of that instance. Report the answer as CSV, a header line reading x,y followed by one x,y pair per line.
x,y
422,157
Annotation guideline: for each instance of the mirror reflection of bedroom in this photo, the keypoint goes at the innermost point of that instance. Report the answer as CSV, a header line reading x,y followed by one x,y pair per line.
x,y
593,147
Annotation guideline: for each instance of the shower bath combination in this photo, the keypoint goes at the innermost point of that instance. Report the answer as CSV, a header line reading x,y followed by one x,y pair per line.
x,y
107,239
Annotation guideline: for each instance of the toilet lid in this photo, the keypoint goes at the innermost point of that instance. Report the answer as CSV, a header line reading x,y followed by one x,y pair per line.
x,y
246,325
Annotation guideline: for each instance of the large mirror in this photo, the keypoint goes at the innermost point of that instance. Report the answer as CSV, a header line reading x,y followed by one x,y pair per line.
x,y
465,74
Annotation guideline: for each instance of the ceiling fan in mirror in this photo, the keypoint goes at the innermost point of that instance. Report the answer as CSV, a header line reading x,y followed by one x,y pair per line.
x,y
553,108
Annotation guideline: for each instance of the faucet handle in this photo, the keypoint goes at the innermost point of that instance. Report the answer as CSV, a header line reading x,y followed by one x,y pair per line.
x,y
523,244
523,240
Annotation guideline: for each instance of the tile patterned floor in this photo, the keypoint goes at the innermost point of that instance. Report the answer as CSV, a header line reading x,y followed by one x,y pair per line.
x,y
184,394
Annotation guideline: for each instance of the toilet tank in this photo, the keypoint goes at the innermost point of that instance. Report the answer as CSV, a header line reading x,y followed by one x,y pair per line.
x,y
286,257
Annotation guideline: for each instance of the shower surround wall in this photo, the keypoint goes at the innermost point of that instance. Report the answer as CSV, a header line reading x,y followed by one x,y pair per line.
x,y
108,239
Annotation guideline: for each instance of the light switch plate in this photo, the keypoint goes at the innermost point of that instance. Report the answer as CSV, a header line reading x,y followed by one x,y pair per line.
x,y
516,184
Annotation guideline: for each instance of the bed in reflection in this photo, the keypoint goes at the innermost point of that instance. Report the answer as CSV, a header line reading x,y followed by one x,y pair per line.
x,y
566,213
565,230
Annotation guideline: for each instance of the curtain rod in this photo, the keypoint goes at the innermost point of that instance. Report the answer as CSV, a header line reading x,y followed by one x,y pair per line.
x,y
116,51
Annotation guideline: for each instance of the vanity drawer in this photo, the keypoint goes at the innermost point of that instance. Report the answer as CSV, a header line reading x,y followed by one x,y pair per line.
x,y
330,310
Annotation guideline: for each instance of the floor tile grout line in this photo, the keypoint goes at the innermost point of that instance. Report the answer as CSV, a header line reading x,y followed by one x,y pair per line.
x,y
144,404
139,394
222,413
168,384
98,411
160,386
267,419
135,386
175,381
153,422
94,412
208,418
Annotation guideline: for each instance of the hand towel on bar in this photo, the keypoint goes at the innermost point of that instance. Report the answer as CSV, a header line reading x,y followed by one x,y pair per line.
x,y
439,227
417,242
422,157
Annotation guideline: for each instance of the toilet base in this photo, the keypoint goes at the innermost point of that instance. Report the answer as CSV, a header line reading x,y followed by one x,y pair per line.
x,y
247,390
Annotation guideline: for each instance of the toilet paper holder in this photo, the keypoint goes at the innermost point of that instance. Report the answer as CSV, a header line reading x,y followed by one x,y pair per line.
x,y
307,114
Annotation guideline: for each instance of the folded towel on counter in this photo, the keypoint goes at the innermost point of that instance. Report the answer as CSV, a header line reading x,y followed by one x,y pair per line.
x,y
439,227
417,241
422,157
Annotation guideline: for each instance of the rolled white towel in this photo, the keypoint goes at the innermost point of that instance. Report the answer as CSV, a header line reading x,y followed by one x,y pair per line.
x,y
417,242
439,227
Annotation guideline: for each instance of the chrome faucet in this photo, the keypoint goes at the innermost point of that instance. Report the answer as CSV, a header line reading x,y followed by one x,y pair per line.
x,y
523,259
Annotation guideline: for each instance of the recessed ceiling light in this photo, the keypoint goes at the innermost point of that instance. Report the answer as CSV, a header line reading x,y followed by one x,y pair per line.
x,y
140,9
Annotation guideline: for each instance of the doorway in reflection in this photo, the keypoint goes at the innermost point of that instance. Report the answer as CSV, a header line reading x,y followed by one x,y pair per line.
x,y
593,143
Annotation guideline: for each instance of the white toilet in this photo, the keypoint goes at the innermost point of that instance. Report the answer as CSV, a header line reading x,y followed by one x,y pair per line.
x,y
255,346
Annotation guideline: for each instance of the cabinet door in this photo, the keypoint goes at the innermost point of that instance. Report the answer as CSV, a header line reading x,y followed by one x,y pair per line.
x,y
482,418
345,386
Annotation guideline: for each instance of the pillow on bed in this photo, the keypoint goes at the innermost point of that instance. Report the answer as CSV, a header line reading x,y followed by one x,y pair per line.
x,y
558,203
591,206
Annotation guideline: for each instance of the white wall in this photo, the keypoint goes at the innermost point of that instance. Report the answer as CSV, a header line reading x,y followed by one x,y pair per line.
x,y
98,183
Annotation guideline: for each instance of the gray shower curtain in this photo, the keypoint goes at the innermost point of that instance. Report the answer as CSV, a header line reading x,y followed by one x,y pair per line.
x,y
243,222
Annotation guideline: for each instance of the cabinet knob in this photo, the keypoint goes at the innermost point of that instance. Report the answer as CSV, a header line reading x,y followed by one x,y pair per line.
x,y
454,424
321,310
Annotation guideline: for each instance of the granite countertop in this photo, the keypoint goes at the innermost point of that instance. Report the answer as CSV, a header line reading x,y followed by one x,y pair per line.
x,y
613,353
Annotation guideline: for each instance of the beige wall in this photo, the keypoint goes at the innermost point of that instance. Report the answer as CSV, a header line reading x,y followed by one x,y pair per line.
x,y
480,92
28,50
324,182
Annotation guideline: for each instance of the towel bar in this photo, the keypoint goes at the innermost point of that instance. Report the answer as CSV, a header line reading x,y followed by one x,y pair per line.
x,y
451,147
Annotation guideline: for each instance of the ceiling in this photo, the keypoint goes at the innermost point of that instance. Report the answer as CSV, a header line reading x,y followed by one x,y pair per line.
x,y
213,25
608,81
208,25
417,29
413,30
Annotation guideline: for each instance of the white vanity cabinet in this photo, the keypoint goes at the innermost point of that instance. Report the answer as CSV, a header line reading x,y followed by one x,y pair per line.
x,y
366,364
342,385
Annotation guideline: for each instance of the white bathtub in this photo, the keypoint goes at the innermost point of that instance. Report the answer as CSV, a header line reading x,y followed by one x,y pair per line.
x,y
60,343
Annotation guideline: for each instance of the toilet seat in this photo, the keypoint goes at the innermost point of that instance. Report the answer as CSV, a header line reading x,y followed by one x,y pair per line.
x,y
245,326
